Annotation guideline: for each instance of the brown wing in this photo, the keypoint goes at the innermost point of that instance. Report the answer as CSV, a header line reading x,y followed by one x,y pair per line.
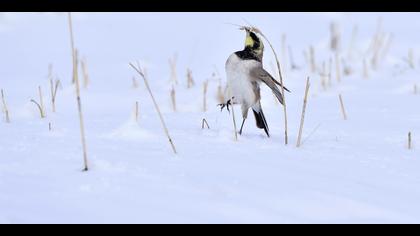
x,y
262,75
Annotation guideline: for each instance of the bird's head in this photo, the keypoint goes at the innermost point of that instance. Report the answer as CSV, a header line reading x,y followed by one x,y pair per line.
x,y
253,43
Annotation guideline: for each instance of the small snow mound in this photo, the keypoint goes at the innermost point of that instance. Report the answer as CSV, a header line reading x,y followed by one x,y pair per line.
x,y
131,130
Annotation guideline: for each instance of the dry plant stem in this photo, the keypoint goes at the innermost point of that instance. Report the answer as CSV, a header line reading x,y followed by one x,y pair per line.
x,y
41,100
324,76
140,72
409,141
205,86
204,123
302,119
330,73
137,112
172,63
415,89
6,111
190,80
312,58
286,138
173,98
41,113
80,110
343,110
71,41
54,90
49,126
85,74
337,67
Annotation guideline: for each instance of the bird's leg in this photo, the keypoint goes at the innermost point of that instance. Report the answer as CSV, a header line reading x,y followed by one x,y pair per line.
x,y
227,104
242,126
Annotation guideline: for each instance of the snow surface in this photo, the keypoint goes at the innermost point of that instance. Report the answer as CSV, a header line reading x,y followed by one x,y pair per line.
x,y
353,171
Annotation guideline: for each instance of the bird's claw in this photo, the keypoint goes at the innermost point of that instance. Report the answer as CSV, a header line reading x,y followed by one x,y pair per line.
x,y
227,104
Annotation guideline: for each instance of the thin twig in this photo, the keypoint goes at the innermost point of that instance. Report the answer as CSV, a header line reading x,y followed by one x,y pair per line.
x,y
41,100
343,110
204,123
143,75
39,108
205,86
6,111
302,119
409,140
79,100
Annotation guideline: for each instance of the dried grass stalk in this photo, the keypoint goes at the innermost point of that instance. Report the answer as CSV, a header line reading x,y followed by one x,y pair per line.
x,y
409,141
72,42
5,109
330,72
415,89
302,119
136,112
205,88
75,81
173,98
335,37
190,80
54,89
312,59
144,76
204,123
85,73
337,67
324,76
343,110
172,64
41,112
41,100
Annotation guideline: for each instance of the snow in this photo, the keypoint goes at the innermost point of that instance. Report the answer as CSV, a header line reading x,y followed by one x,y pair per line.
x,y
347,171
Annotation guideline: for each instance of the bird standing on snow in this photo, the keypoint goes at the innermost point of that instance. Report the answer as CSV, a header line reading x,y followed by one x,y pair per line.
x,y
245,72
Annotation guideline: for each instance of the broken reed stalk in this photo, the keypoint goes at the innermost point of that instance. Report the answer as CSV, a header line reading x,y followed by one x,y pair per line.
x,y
337,67
411,58
312,58
204,123
49,127
71,41
41,112
172,64
286,138
409,141
85,73
54,89
137,112
41,100
415,89
75,81
324,76
80,110
330,72
173,98
190,80
205,88
302,119
5,109
144,76
343,110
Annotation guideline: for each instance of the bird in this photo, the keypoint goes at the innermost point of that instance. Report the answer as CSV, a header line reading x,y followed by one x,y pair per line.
x,y
245,73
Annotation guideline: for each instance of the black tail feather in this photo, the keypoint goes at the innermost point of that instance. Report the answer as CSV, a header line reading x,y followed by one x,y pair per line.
x,y
261,122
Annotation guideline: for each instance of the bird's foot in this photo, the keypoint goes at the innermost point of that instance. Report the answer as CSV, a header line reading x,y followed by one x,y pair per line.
x,y
227,104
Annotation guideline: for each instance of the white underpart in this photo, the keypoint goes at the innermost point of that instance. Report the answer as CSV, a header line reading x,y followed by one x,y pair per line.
x,y
238,82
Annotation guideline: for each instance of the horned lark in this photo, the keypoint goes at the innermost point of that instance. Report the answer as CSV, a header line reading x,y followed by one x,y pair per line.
x,y
245,72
